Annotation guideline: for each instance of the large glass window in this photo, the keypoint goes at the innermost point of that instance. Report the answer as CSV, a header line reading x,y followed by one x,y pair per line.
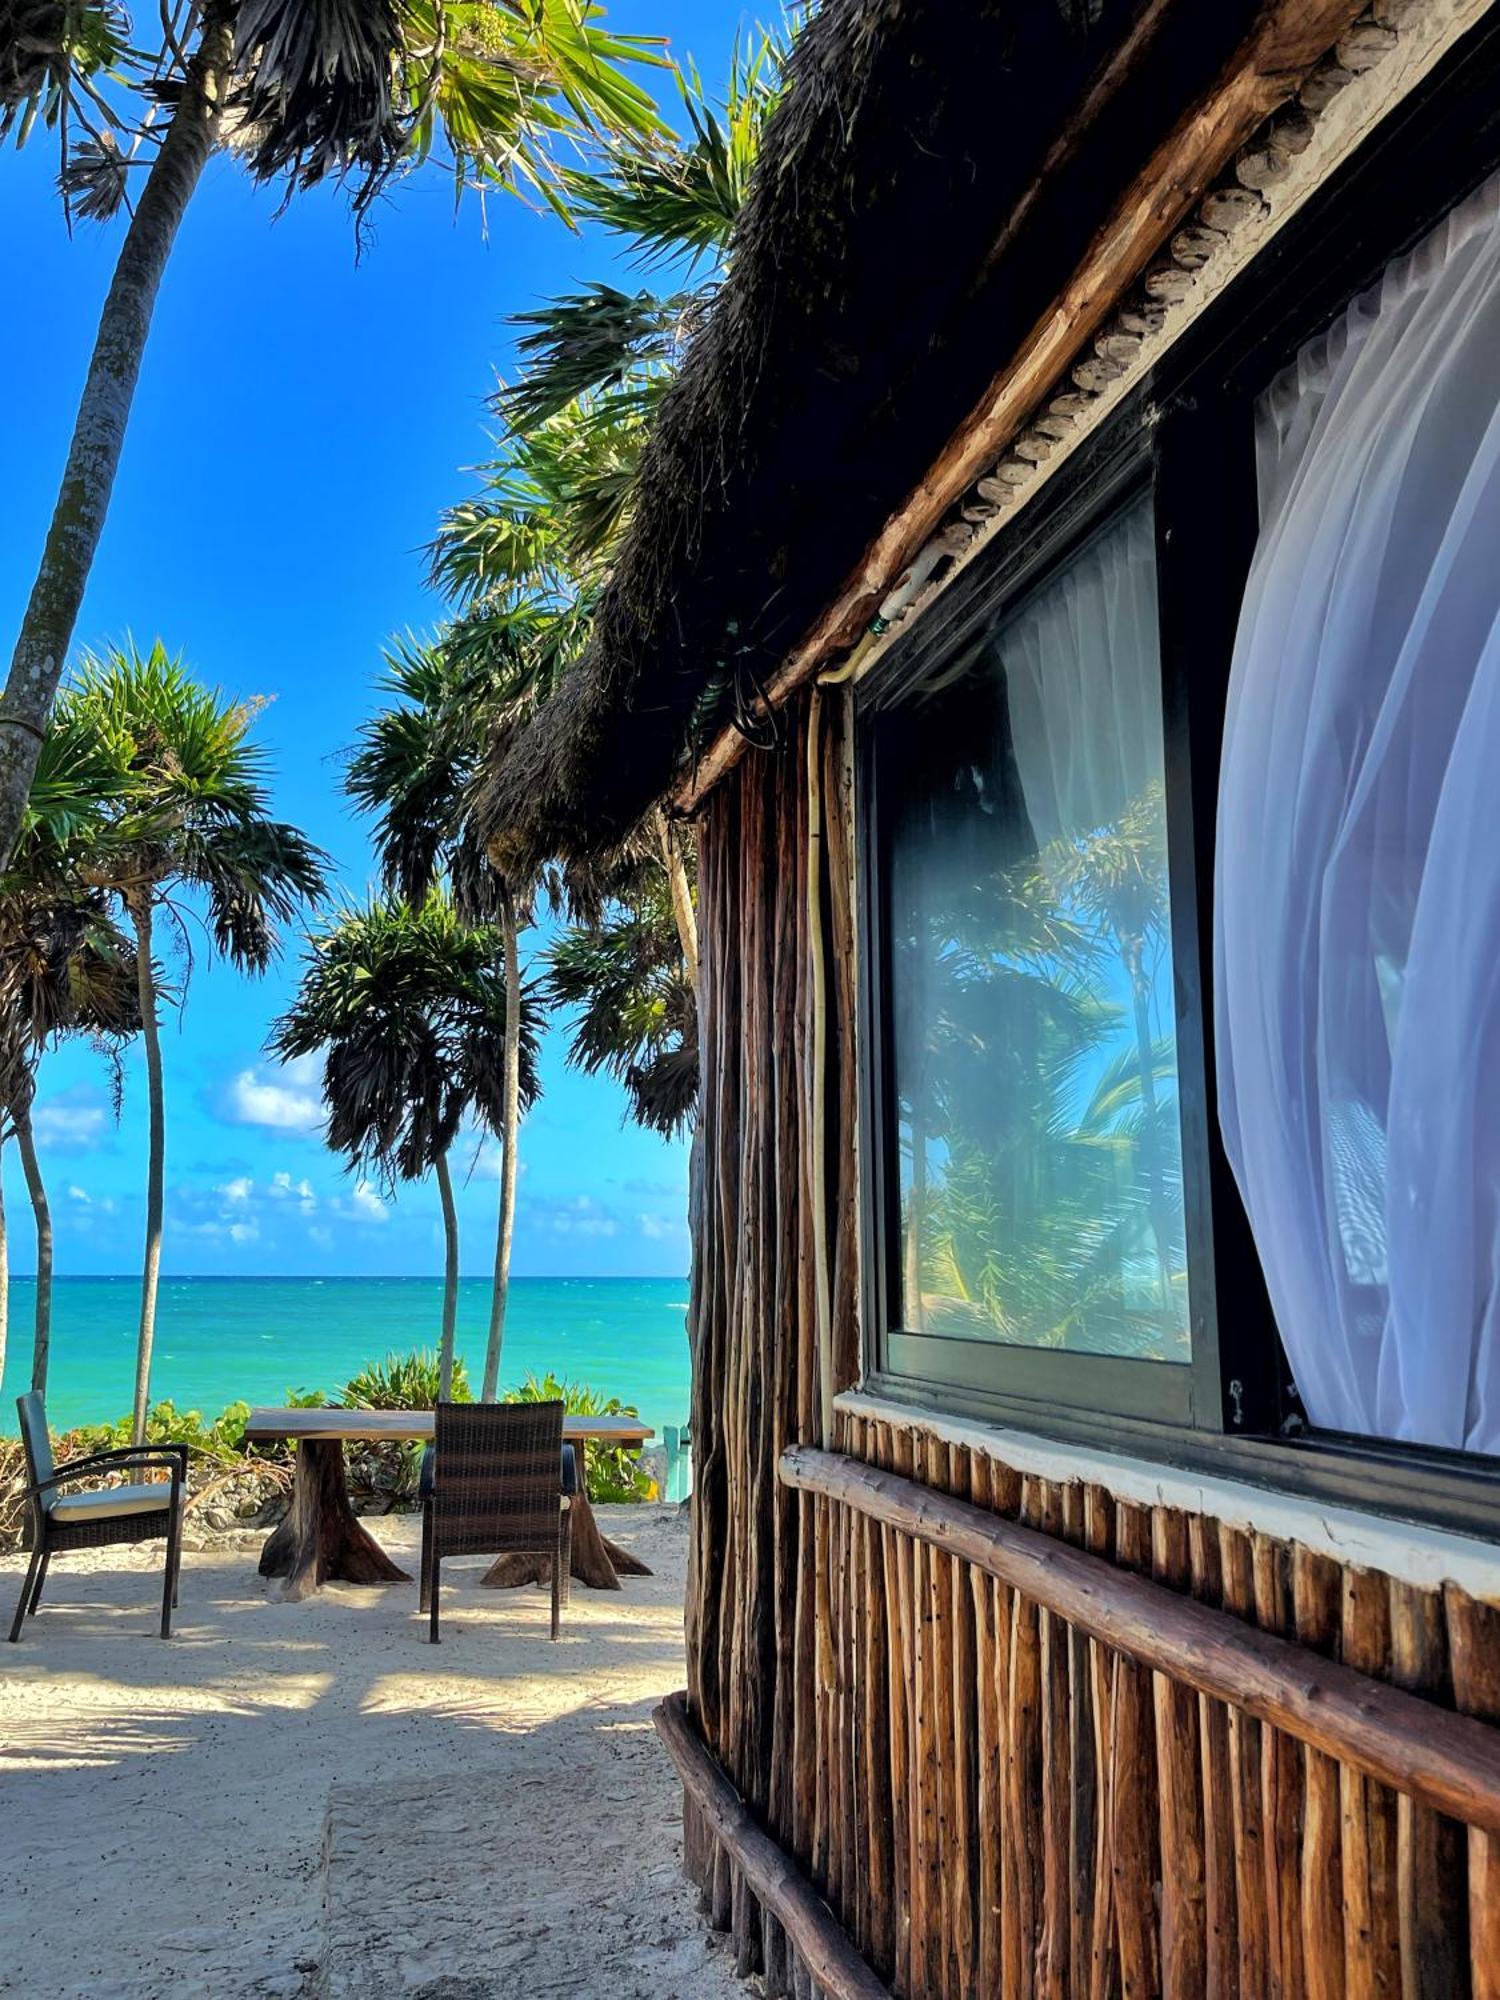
x,y
1034,1145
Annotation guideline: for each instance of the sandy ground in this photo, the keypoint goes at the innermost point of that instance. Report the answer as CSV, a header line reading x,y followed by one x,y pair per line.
x,y
162,1807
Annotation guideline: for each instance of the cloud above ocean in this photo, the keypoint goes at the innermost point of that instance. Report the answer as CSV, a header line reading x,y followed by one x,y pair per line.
x,y
278,1097
73,1121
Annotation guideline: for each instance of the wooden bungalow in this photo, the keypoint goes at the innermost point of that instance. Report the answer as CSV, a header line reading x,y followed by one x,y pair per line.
x,y
1064,594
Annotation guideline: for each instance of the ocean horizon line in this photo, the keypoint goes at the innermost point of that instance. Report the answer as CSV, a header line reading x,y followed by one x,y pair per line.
x,y
222,1339
359,1277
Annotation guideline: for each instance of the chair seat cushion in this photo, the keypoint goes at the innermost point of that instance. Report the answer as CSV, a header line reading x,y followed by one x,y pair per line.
x,y
104,1503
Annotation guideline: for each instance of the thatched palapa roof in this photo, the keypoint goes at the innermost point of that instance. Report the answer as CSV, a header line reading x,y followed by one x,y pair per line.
x,y
865,311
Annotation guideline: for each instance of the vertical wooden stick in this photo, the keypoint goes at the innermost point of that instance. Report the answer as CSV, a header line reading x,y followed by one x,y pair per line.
x,y
1246,1789
1474,1647
1222,1972
1430,1860
1281,1788
1367,1810
1184,1935
1316,1590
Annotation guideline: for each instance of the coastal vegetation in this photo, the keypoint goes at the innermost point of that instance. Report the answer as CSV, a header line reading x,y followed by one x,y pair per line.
x,y
495,94
245,1484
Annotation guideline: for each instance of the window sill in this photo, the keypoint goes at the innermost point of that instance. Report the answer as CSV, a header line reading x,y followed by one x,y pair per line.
x,y
1414,1551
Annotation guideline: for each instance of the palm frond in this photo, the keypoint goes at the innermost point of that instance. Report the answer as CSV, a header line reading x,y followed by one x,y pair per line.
x,y
680,198
359,91
405,1003
183,798
599,340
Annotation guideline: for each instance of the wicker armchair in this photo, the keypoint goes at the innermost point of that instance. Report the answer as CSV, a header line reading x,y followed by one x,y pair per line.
x,y
100,1515
496,1488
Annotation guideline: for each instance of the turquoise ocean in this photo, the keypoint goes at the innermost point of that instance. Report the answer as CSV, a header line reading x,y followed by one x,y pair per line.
x,y
223,1340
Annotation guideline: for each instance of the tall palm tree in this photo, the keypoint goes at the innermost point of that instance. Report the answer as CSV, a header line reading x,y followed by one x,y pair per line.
x,y
358,94
404,1004
414,768
192,818
65,967
528,553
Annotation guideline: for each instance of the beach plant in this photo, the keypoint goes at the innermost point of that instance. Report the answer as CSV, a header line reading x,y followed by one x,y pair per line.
x,y
499,93
411,1381
190,827
221,1438
612,1472
407,1007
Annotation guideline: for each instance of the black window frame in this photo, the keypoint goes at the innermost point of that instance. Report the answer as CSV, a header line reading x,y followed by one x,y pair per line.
x,y
1186,434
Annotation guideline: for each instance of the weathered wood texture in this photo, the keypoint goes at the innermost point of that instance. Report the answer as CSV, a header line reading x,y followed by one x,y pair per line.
x,y
995,1792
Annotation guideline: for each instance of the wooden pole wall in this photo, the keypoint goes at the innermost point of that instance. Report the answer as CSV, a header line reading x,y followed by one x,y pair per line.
x,y
991,1801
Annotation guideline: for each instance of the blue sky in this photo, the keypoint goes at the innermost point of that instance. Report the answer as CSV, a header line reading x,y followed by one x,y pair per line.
x,y
300,422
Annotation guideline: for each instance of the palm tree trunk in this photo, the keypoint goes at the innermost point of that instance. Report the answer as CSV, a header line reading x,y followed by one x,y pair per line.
x,y
682,895
99,433
36,1187
141,915
510,1116
450,1277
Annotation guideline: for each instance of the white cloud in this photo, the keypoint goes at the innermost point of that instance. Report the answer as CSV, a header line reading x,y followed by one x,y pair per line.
x,y
364,1205
238,1190
287,1098
218,1231
68,1124
284,1188
78,1194
367,1202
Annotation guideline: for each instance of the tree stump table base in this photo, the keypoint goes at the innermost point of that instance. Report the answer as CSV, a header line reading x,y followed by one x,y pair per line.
x,y
321,1540
597,1561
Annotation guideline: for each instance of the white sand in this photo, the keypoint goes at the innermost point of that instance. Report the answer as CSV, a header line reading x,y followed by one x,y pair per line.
x,y
162,1807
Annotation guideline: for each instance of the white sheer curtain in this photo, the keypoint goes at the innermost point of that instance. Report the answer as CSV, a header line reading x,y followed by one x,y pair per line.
x,y
1083,678
1358,885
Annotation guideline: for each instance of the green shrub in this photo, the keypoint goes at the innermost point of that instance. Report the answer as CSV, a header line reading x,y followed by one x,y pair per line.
x,y
404,1382
612,1471
222,1439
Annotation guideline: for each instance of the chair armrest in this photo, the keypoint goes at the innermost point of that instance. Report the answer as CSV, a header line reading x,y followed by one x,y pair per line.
x,y
572,1485
425,1476
173,1458
126,1454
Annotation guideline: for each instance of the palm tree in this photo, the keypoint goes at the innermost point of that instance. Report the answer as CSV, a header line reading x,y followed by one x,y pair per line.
x,y
521,563
403,1002
414,769
358,94
634,988
193,814
65,967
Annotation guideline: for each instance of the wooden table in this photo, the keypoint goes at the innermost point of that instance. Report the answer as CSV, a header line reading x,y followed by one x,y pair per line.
x,y
321,1539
